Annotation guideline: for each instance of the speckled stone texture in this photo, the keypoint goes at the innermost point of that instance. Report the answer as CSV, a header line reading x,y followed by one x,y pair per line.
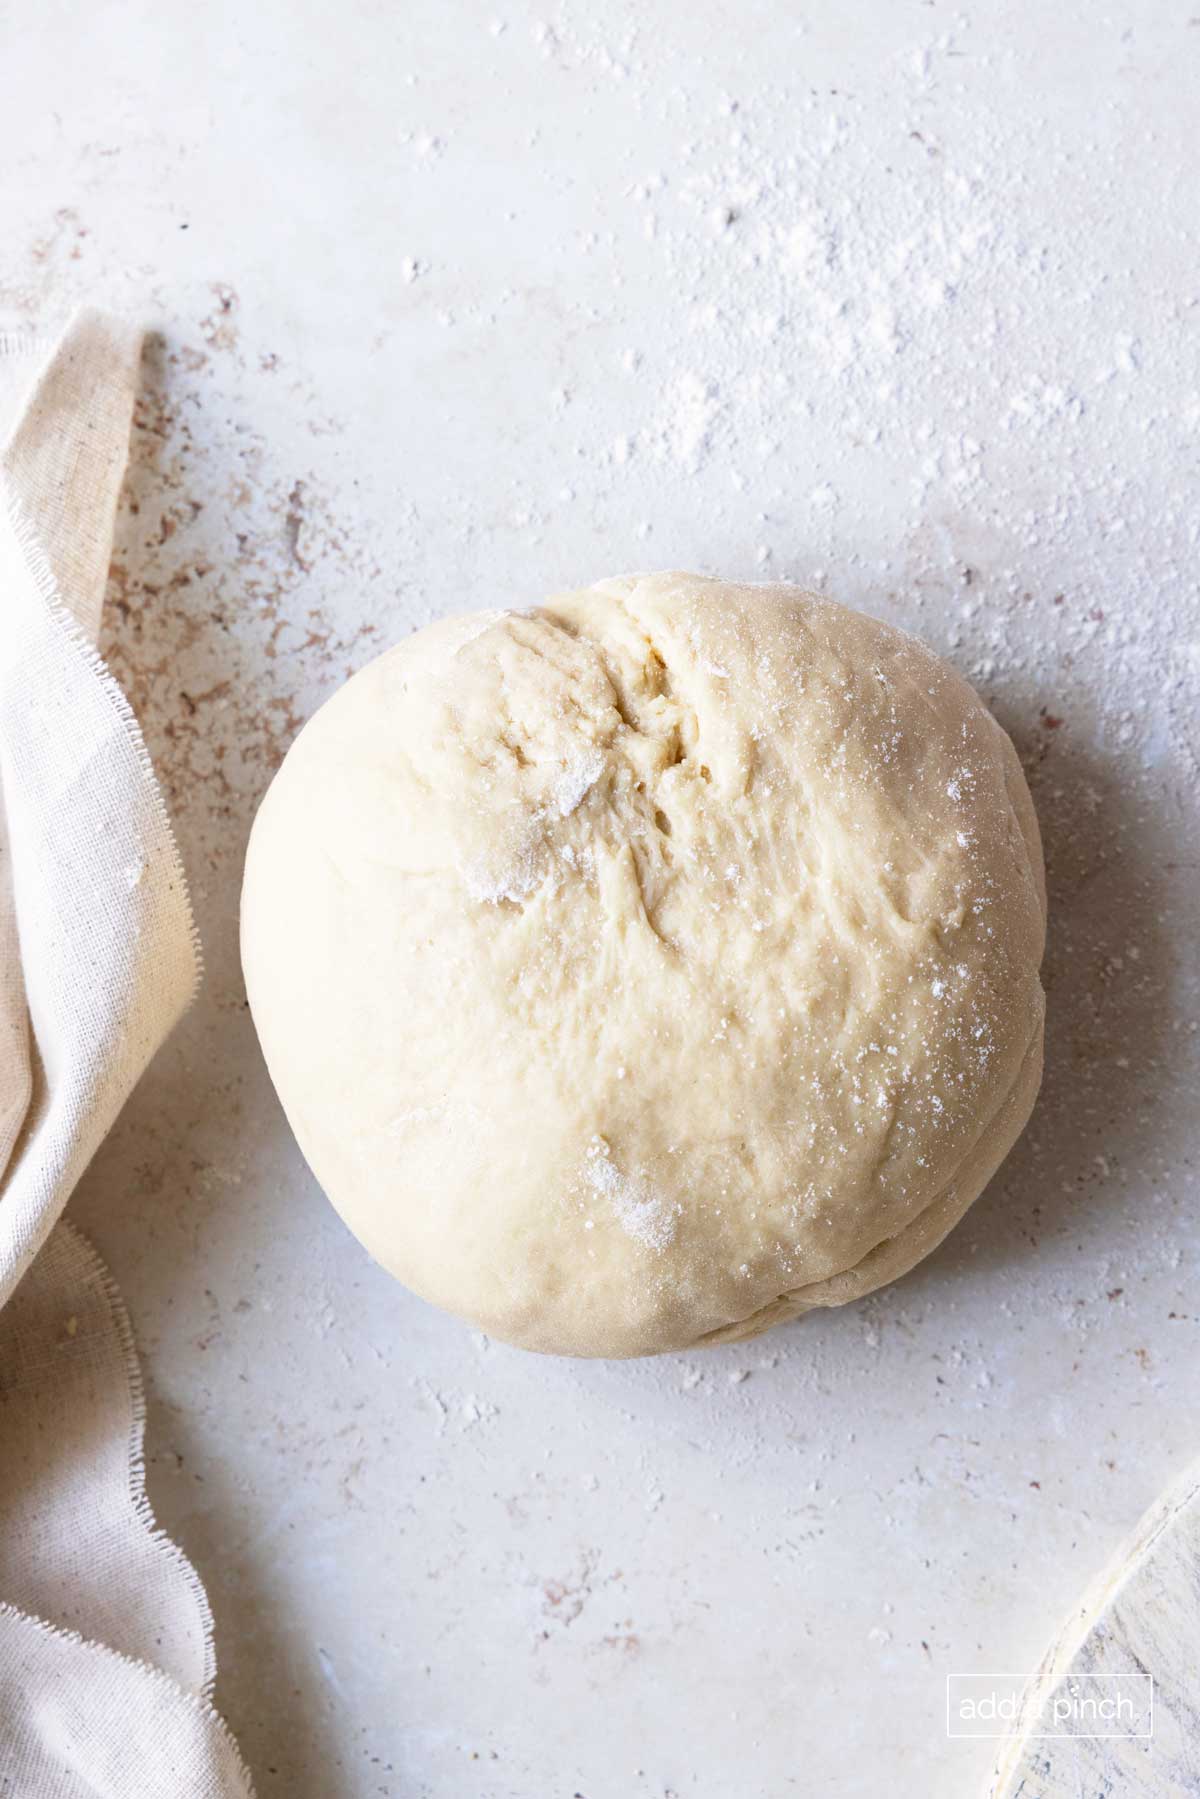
x,y
454,309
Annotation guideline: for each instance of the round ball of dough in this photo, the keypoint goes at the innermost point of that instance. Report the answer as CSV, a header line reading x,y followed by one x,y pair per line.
x,y
651,966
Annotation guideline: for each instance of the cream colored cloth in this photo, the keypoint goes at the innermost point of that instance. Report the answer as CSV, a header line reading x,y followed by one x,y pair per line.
x,y
106,1658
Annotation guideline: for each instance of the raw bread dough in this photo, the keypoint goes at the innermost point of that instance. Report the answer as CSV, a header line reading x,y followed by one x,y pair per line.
x,y
651,966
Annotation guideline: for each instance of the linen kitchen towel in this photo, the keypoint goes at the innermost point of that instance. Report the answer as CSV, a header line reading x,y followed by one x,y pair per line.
x,y
106,1652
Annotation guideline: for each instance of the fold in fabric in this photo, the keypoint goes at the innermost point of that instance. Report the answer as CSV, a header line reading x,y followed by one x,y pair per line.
x,y
106,1656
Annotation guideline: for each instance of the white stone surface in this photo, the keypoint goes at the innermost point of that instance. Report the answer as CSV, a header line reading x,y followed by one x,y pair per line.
x,y
456,306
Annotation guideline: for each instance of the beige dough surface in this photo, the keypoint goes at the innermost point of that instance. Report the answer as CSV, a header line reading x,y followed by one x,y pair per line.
x,y
653,965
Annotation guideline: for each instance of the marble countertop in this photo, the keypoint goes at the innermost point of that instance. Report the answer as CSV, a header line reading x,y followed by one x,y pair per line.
x,y
449,307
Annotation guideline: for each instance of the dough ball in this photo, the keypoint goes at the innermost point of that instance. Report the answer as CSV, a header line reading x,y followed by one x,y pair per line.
x,y
651,966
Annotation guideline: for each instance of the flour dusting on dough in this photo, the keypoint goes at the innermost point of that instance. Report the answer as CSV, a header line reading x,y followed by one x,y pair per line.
x,y
474,624
514,879
639,1210
576,781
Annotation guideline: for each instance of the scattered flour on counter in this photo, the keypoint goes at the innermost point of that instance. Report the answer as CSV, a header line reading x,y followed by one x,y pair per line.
x,y
684,432
639,1210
